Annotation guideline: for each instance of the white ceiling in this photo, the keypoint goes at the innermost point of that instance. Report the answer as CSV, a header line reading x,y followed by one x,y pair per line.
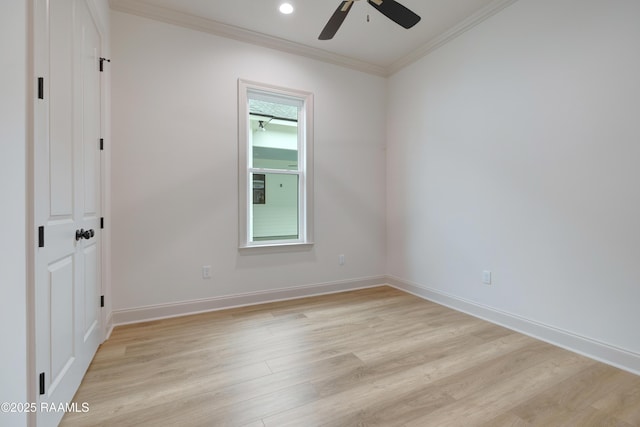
x,y
379,46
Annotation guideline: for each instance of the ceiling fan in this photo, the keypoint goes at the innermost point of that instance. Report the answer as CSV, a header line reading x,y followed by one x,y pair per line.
x,y
389,8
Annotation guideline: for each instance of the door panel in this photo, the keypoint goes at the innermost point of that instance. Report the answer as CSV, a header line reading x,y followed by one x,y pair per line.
x,y
90,314
61,317
91,117
60,111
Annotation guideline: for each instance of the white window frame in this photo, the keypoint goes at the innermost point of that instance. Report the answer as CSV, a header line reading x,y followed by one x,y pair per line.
x,y
245,167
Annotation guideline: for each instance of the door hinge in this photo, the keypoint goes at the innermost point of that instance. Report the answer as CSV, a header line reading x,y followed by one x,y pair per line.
x,y
102,223
102,63
101,143
41,236
41,383
101,300
40,87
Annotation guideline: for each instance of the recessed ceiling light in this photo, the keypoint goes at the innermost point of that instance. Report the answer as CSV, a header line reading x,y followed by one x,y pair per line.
x,y
286,8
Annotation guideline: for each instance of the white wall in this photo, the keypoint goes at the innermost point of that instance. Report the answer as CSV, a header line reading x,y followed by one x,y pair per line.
x,y
13,186
516,148
175,191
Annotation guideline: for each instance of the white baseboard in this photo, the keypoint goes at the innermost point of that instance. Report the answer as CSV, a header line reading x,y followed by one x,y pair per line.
x,y
162,311
620,358
108,327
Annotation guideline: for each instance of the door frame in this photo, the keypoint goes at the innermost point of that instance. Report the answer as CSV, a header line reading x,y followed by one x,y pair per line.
x,y
31,235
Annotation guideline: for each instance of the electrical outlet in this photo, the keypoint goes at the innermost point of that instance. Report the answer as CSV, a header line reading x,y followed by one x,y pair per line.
x,y
341,259
486,277
206,272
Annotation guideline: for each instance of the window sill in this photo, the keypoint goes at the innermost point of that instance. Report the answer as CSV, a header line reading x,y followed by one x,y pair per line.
x,y
267,245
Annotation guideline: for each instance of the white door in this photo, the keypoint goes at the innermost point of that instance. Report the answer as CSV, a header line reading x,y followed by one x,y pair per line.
x,y
67,200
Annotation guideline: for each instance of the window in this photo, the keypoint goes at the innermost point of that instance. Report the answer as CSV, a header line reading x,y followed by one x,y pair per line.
x,y
275,146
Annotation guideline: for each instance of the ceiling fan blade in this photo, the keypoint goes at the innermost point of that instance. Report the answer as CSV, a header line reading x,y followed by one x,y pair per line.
x,y
336,20
396,12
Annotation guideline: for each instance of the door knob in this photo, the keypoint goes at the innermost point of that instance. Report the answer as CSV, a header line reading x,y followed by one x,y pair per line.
x,y
84,234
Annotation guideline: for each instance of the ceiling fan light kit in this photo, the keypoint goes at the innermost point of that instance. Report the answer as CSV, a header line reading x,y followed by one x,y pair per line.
x,y
389,8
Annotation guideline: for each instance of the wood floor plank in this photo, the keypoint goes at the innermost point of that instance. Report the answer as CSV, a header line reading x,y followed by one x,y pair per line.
x,y
366,388
506,419
495,371
623,402
486,404
372,357
575,394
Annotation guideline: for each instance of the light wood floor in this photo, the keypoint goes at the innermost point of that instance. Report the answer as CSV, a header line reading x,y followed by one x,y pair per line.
x,y
375,357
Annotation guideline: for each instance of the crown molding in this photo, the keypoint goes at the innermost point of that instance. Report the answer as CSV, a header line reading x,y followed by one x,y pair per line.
x,y
464,26
140,8
145,10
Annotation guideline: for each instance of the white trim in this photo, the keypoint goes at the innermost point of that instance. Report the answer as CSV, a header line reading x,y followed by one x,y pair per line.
x,y
95,14
105,173
602,352
606,353
108,327
30,233
158,13
276,244
305,151
181,19
163,311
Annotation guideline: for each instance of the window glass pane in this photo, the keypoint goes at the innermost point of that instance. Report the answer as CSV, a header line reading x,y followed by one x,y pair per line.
x,y
258,189
274,135
275,207
280,109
